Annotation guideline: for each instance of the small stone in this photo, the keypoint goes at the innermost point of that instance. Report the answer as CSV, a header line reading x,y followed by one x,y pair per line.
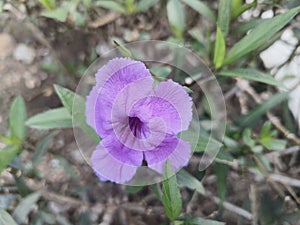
x,y
24,54
7,45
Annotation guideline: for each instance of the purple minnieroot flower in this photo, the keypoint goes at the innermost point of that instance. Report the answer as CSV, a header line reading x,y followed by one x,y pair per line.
x,y
136,121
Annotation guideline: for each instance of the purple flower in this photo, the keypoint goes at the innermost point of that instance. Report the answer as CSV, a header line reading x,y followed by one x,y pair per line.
x,y
136,121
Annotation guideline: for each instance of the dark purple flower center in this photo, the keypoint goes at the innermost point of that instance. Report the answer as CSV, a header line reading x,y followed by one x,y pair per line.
x,y
138,128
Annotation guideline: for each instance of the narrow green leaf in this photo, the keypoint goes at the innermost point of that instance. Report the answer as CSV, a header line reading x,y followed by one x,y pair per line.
x,y
67,98
53,118
17,117
176,17
247,138
187,180
111,5
238,8
5,218
202,9
221,171
260,35
251,74
144,5
224,16
247,26
25,206
42,148
49,4
7,154
254,115
59,14
161,71
124,51
171,197
220,49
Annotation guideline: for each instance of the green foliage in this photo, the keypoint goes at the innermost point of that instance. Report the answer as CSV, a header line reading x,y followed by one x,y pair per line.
x,y
25,206
220,49
51,119
267,138
6,219
171,197
202,9
42,147
259,35
67,98
176,17
7,154
187,180
251,74
237,8
224,16
49,4
253,117
17,117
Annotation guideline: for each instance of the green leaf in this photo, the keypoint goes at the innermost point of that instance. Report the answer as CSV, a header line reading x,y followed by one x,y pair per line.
x,y
124,51
254,115
111,5
161,71
273,144
171,197
200,142
247,26
59,14
5,218
187,180
67,98
247,138
25,206
201,221
7,154
238,8
220,49
176,17
224,16
133,189
53,118
49,4
17,117
42,148
251,74
144,5
202,9
260,35
221,171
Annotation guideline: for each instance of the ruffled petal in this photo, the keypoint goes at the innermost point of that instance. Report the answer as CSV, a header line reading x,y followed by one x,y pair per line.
x,y
110,80
178,156
152,107
107,167
122,153
175,95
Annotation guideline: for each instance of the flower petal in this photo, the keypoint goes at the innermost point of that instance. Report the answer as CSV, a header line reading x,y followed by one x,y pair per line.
x,y
175,94
110,80
122,153
107,167
178,152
